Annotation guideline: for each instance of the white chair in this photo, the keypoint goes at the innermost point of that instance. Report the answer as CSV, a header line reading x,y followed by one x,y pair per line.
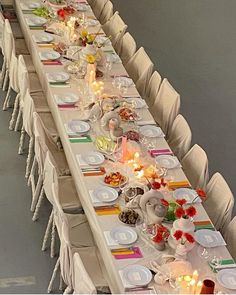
x,y
106,13
219,202
166,106
180,137
195,166
115,28
140,69
230,237
42,144
153,88
127,48
98,7
2,22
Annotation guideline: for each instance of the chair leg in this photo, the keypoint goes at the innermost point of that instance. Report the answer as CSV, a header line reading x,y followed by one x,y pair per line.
x,y
3,72
36,191
18,120
56,268
14,113
29,157
32,172
68,290
61,286
22,140
53,239
6,79
47,232
39,203
7,98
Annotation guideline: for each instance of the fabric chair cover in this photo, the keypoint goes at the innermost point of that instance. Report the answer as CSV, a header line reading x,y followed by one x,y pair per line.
x,y
106,13
127,48
153,88
230,237
180,137
2,23
166,106
28,114
195,166
13,73
9,43
140,69
219,202
98,7
82,283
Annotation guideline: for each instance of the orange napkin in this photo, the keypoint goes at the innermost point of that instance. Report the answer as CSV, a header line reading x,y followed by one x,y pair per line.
x,y
178,184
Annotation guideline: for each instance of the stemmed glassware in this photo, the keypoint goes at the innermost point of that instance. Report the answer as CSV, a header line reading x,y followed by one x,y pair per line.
x,y
107,66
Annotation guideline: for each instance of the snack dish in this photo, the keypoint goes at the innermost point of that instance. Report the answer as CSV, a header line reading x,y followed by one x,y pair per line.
x,y
114,179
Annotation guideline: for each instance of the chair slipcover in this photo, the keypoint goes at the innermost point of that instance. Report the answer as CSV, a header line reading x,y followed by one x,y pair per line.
x,y
153,88
195,166
219,202
2,23
230,237
115,28
9,43
98,7
28,114
140,69
166,106
13,73
106,13
180,137
127,47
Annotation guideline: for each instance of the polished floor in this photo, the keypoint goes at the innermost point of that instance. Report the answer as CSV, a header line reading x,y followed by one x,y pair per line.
x,y
193,44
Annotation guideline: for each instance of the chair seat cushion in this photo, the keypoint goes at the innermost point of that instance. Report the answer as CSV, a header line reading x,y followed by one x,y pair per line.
x,y
21,47
40,102
29,64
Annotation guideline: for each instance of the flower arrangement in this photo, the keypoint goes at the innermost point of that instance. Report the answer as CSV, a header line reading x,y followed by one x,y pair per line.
x,y
42,11
201,193
183,237
162,234
185,213
90,58
61,14
85,37
157,184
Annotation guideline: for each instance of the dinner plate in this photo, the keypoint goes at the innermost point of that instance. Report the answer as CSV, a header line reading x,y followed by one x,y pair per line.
x,y
58,77
49,55
151,131
34,5
37,21
209,238
81,7
137,275
124,81
227,278
102,40
105,194
167,161
43,38
93,158
69,98
123,235
186,193
78,126
92,22
138,103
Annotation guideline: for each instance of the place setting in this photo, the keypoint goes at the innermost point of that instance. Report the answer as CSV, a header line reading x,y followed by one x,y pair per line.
x,y
77,131
58,79
66,101
36,22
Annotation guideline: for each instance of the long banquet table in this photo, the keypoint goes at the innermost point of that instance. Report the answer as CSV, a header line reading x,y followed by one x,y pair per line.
x,y
102,223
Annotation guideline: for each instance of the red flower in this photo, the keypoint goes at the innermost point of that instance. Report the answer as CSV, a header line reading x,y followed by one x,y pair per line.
x,y
189,238
61,13
156,185
178,234
201,193
163,183
157,238
161,229
181,202
191,211
164,202
179,212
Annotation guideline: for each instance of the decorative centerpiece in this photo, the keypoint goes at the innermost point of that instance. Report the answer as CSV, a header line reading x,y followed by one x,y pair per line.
x,y
183,238
57,4
160,237
91,68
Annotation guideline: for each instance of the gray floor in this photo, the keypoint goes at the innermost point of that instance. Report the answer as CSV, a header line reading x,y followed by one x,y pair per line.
x,y
193,44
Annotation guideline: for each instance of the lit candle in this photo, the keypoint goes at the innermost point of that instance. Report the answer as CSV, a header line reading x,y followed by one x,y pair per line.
x,y
124,147
198,288
195,275
192,286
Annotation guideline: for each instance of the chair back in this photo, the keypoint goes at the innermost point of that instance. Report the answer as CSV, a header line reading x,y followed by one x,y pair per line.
x,y
27,116
230,237
219,202
23,77
106,13
140,69
127,48
195,166
9,43
166,106
82,283
13,73
180,137
153,88
2,23
98,7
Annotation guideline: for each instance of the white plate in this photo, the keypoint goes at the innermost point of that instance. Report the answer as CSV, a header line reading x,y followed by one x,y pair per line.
x,y
227,278
209,238
92,22
105,194
49,55
81,6
167,161
93,158
58,77
43,37
37,21
78,126
151,131
124,81
138,103
69,98
186,193
102,40
34,5
123,235
137,275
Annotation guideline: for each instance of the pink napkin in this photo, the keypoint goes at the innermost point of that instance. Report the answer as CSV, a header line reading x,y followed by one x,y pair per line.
x,y
137,254
157,152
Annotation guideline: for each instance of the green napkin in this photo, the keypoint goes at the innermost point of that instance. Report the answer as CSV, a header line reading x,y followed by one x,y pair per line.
x,y
204,226
80,139
222,262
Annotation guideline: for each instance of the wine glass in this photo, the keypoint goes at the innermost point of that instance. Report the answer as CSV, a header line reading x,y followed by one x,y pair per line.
x,y
107,66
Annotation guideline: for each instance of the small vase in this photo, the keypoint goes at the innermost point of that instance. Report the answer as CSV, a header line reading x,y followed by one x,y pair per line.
x,y
160,211
181,252
208,287
160,246
184,224
91,73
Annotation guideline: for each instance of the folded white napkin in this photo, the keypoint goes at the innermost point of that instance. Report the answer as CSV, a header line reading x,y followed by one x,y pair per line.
x,y
124,281
82,163
145,122
109,240
93,197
